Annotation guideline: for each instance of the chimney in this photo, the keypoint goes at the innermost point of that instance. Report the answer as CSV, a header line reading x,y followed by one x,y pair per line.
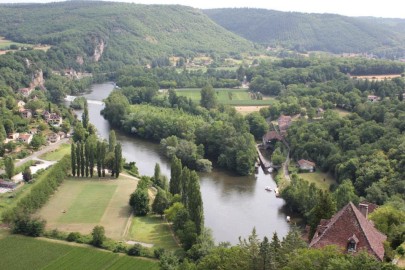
x,y
363,209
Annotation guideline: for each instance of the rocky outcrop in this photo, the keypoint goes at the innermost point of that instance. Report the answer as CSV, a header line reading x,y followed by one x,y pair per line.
x,y
98,49
38,80
80,60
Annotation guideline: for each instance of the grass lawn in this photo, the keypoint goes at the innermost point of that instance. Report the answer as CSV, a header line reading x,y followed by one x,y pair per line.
x,y
226,96
152,230
81,204
341,112
19,252
57,154
318,179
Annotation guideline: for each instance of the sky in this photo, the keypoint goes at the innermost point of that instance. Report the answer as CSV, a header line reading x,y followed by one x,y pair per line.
x,y
386,8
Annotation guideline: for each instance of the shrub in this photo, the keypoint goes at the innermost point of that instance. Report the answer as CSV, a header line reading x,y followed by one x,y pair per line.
x,y
135,250
98,234
24,225
73,237
158,252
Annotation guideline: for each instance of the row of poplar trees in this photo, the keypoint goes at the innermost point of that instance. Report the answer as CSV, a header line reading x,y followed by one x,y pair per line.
x,y
185,182
91,154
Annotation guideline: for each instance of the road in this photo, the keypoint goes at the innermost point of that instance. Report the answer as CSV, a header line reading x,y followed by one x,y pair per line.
x,y
36,154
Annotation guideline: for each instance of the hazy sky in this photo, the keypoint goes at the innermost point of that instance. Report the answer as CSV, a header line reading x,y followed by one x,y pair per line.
x,y
386,8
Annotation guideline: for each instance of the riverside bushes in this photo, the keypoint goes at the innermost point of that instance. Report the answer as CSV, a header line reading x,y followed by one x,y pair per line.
x,y
42,189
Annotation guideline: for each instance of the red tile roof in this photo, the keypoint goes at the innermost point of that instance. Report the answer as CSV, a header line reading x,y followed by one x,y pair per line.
x,y
303,162
348,224
271,135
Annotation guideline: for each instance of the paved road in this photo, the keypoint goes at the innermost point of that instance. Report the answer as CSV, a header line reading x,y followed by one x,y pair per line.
x,y
36,154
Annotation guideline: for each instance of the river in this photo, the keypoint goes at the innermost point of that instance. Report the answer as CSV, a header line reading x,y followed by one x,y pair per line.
x,y
233,205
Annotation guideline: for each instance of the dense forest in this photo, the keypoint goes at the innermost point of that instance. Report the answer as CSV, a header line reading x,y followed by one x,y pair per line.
x,y
315,32
116,33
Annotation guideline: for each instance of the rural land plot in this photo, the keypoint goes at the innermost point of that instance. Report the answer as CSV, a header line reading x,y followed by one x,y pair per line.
x,y
80,204
320,179
152,229
19,252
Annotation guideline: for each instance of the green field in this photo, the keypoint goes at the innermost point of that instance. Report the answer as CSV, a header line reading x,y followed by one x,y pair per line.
x,y
90,203
20,252
152,230
5,44
81,204
320,179
57,154
227,96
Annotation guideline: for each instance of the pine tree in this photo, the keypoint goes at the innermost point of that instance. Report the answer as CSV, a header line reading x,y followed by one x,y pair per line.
x,y
73,158
175,176
78,158
112,141
118,159
85,115
195,203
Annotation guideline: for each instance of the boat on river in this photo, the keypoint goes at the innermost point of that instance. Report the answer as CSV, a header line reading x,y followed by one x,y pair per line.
x,y
268,189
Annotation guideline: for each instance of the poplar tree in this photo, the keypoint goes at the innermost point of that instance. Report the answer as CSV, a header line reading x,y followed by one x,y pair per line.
x,y
118,159
112,141
92,154
195,203
73,158
82,158
185,178
87,157
85,115
175,176
98,150
103,154
78,158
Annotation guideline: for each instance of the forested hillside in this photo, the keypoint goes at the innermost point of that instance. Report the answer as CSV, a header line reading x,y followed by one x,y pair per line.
x,y
116,33
315,32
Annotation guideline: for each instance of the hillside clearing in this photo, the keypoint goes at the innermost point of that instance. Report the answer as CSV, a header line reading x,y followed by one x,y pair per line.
x,y
320,179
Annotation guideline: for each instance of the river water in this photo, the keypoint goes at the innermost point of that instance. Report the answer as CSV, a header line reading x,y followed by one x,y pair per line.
x,y
233,205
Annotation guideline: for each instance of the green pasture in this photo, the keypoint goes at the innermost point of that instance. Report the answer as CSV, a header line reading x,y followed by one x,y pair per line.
x,y
57,154
20,252
152,230
90,203
320,179
227,96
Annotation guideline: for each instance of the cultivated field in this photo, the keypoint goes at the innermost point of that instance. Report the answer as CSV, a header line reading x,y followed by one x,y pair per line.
x,y
152,230
20,252
79,205
228,96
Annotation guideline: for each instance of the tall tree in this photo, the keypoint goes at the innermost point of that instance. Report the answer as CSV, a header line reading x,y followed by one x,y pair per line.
x,y
82,159
118,160
161,202
73,158
78,158
85,115
27,175
195,203
98,150
87,157
9,167
324,209
104,147
208,97
185,185
345,193
175,176
112,141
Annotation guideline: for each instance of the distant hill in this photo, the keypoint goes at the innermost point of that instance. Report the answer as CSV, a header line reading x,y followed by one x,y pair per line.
x,y
117,32
315,32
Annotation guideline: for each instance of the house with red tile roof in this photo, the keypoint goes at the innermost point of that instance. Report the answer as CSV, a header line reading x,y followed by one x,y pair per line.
x,y
284,122
306,165
271,136
25,138
352,231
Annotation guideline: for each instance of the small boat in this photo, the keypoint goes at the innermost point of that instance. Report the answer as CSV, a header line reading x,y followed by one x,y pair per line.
x,y
277,192
268,189
288,218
